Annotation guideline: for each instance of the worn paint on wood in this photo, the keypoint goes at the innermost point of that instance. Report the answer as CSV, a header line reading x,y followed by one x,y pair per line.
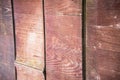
x,y
29,33
103,40
63,7
63,50
28,73
7,69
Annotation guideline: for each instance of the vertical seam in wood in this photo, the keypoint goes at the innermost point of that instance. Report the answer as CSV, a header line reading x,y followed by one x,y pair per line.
x,y
12,6
84,39
44,71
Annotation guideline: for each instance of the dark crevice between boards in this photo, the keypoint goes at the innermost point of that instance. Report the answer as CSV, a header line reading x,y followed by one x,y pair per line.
x,y
14,36
44,71
16,73
84,39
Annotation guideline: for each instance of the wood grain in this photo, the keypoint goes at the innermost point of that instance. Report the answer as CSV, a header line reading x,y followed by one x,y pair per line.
x,y
63,48
29,33
7,69
103,40
63,39
63,7
28,73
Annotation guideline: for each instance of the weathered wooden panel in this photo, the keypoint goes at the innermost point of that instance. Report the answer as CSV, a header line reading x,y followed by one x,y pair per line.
x,y
29,33
63,39
28,73
7,69
103,40
63,50
63,7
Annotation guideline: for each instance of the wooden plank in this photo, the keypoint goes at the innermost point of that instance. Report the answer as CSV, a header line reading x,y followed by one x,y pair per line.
x,y
63,39
28,73
63,47
29,33
63,7
103,40
7,69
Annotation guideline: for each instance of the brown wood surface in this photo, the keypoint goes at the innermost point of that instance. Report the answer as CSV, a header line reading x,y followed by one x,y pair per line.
x,y
63,39
29,33
28,73
63,7
7,69
103,40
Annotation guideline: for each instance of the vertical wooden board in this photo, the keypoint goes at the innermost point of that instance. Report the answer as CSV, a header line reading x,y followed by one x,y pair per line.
x,y
7,69
63,48
29,33
103,40
63,7
28,73
63,39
